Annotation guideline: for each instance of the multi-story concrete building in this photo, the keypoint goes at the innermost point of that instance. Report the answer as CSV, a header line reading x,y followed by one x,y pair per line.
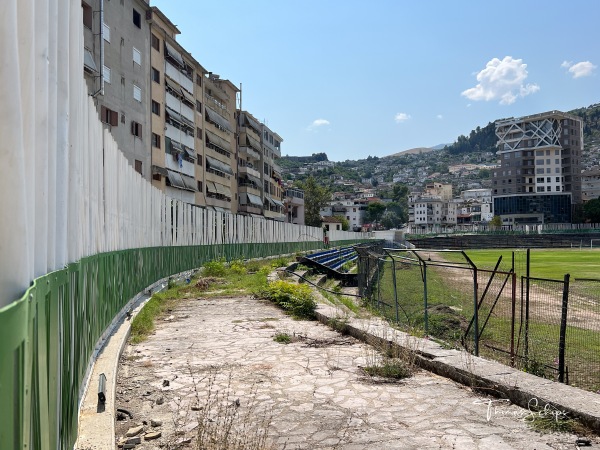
x,y
117,64
220,146
590,184
539,179
175,147
434,206
294,206
272,182
250,166
353,209
474,206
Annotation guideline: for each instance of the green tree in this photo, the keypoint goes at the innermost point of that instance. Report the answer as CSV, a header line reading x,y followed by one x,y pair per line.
x,y
375,211
591,210
345,223
391,220
315,198
496,221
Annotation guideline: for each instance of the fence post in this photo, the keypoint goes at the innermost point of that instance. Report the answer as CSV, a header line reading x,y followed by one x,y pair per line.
x,y
425,313
475,313
526,350
513,311
395,289
563,330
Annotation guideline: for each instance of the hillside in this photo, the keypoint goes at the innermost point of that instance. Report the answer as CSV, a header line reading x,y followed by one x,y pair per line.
x,y
419,165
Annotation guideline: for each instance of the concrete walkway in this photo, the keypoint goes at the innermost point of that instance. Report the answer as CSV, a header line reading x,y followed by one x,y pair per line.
x,y
312,393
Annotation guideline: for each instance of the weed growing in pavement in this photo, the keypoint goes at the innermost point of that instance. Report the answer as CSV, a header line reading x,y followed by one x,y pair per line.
x,y
282,338
143,323
228,422
295,299
340,325
390,359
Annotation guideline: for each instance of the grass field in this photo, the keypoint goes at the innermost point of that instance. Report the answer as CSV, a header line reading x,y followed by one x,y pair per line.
x,y
450,307
546,263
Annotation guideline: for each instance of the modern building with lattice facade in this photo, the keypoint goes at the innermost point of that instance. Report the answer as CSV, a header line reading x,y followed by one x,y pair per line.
x,y
539,178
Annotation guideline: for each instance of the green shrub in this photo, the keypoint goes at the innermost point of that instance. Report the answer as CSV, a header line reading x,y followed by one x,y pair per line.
x,y
238,267
296,299
215,268
280,262
254,266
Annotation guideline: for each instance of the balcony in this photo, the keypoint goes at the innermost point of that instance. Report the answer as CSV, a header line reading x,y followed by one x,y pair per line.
x,y
249,209
249,170
248,188
172,163
244,150
178,135
176,75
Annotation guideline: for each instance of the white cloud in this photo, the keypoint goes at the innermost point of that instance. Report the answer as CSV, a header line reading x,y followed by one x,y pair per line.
x,y
503,80
318,123
580,69
401,117
439,116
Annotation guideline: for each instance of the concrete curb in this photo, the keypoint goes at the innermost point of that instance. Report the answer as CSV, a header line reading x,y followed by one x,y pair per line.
x,y
490,377
97,422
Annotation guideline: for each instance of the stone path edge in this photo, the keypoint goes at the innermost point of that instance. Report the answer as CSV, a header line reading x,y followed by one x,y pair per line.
x,y
482,375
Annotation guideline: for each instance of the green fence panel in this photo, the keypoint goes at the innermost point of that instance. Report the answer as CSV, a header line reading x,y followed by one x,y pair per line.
x,y
48,336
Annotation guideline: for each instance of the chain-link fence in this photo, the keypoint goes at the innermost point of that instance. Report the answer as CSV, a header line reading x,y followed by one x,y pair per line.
x,y
550,328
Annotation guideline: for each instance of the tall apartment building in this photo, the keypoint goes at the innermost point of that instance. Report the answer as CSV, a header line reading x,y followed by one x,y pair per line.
x,y
175,146
539,179
272,181
116,65
250,166
220,146
175,121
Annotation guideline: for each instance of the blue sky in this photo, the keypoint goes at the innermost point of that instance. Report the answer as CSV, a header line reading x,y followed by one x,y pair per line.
x,y
354,78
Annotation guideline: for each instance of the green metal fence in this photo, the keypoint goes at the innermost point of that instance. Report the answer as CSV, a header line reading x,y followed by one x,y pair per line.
x,y
47,337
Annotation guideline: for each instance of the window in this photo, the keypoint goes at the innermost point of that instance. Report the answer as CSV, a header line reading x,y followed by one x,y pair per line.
x,y
200,188
137,56
155,140
155,108
87,15
106,74
109,116
199,160
198,133
138,166
122,117
198,106
548,180
137,19
155,43
558,179
106,32
156,177
155,75
198,79
137,93
136,129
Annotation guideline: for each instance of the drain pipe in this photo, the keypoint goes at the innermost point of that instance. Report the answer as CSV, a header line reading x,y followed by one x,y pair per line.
x,y
101,90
